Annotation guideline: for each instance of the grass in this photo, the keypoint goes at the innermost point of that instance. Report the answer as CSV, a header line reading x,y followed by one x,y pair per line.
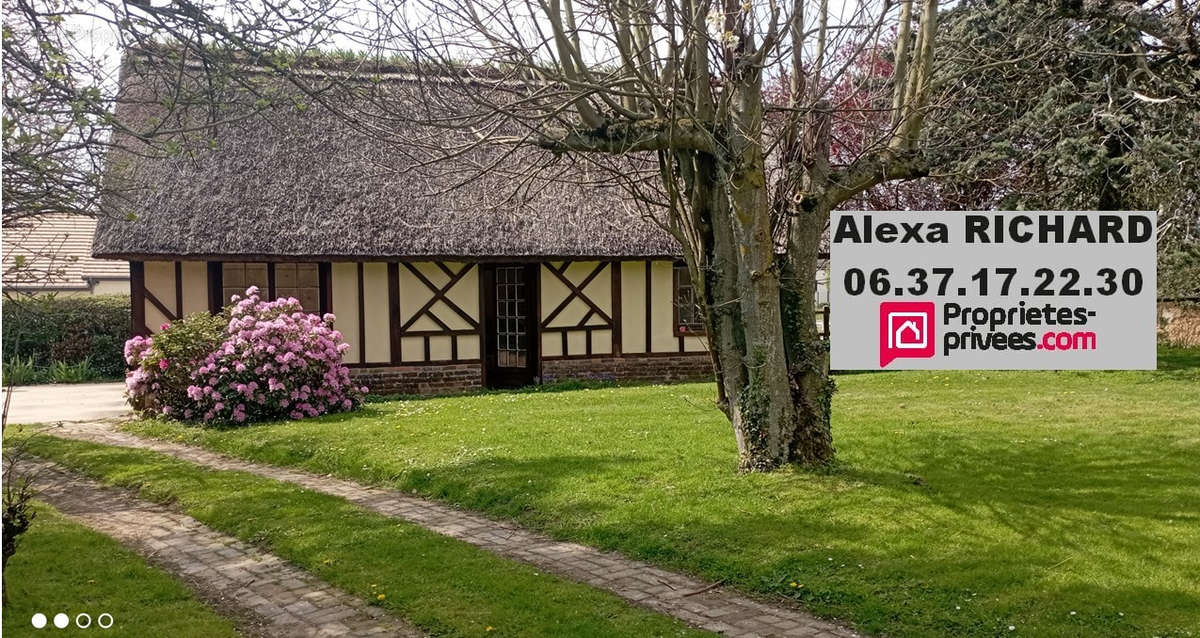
x,y
445,586
963,503
64,567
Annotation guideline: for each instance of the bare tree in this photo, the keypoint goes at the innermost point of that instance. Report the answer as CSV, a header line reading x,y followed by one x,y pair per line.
x,y
744,182
61,96
671,99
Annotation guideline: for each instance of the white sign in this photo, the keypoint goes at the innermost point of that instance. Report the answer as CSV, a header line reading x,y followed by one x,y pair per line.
x,y
1014,290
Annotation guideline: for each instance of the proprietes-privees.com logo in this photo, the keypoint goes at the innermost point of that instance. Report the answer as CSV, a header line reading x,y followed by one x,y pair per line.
x,y
908,329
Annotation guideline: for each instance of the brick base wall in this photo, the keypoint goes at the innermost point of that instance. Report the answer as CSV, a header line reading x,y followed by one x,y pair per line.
x,y
465,377
424,379
693,366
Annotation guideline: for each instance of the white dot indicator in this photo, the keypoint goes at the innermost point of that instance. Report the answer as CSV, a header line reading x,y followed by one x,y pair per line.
x,y
61,621
105,620
39,620
83,621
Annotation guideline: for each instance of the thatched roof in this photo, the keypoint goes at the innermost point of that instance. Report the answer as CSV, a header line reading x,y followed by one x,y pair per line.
x,y
297,181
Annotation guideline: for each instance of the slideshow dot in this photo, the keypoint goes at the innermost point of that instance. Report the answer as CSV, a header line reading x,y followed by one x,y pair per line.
x,y
39,620
61,621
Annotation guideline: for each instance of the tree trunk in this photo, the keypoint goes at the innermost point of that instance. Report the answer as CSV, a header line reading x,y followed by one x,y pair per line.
x,y
807,354
771,363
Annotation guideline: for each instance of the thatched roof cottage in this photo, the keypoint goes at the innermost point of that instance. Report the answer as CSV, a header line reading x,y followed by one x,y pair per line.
x,y
438,284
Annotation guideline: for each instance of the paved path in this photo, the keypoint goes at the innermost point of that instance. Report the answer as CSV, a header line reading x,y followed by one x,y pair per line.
x,y
66,402
267,595
696,602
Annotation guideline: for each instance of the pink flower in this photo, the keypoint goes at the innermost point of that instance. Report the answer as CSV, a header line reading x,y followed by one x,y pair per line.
x,y
283,361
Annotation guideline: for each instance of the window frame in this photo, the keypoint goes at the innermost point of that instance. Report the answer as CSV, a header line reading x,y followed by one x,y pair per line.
x,y
216,292
678,328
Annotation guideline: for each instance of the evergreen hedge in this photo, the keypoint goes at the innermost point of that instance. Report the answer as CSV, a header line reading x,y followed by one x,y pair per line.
x,y
49,330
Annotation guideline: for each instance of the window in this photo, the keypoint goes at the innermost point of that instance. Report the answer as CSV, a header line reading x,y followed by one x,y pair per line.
x,y
236,277
299,280
689,315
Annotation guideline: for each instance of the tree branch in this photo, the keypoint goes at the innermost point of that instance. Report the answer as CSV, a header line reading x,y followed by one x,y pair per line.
x,y
625,137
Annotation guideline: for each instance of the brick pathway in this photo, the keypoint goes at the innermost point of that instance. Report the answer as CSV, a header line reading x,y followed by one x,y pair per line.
x,y
696,602
267,595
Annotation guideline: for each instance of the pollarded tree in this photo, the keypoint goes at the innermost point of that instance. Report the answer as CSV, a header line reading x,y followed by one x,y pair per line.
x,y
668,98
743,182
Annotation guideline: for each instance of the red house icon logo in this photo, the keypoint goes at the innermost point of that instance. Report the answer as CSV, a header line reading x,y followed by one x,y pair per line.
x,y
906,330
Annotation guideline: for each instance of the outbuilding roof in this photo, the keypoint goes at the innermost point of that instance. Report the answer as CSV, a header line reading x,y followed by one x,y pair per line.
x,y
294,180
53,252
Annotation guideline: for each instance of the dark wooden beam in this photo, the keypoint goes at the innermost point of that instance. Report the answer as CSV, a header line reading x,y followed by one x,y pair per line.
x,y
649,305
675,307
439,294
393,274
484,279
325,282
216,287
137,298
179,290
616,307
362,317
154,301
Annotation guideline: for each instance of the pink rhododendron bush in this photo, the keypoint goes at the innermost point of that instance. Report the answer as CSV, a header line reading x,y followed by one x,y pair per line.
x,y
258,361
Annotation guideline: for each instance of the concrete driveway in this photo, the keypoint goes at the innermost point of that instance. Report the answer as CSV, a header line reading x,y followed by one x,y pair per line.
x,y
67,402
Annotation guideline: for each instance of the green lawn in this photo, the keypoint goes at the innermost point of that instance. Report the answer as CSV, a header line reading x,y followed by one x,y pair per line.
x,y
445,586
1057,503
64,567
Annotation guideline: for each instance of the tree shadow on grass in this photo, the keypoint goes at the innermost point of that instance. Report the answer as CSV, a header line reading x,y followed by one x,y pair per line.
x,y
1179,363
850,567
995,517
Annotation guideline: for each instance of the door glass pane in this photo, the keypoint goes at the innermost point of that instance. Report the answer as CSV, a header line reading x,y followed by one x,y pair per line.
x,y
510,325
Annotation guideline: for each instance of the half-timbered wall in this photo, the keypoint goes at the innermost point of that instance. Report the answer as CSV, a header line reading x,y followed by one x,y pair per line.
x,y
360,298
577,308
163,291
344,283
648,310
429,313
437,312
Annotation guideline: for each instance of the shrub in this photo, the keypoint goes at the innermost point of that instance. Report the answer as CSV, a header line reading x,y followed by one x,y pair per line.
x,y
82,372
271,360
19,492
163,364
1179,274
21,371
46,329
